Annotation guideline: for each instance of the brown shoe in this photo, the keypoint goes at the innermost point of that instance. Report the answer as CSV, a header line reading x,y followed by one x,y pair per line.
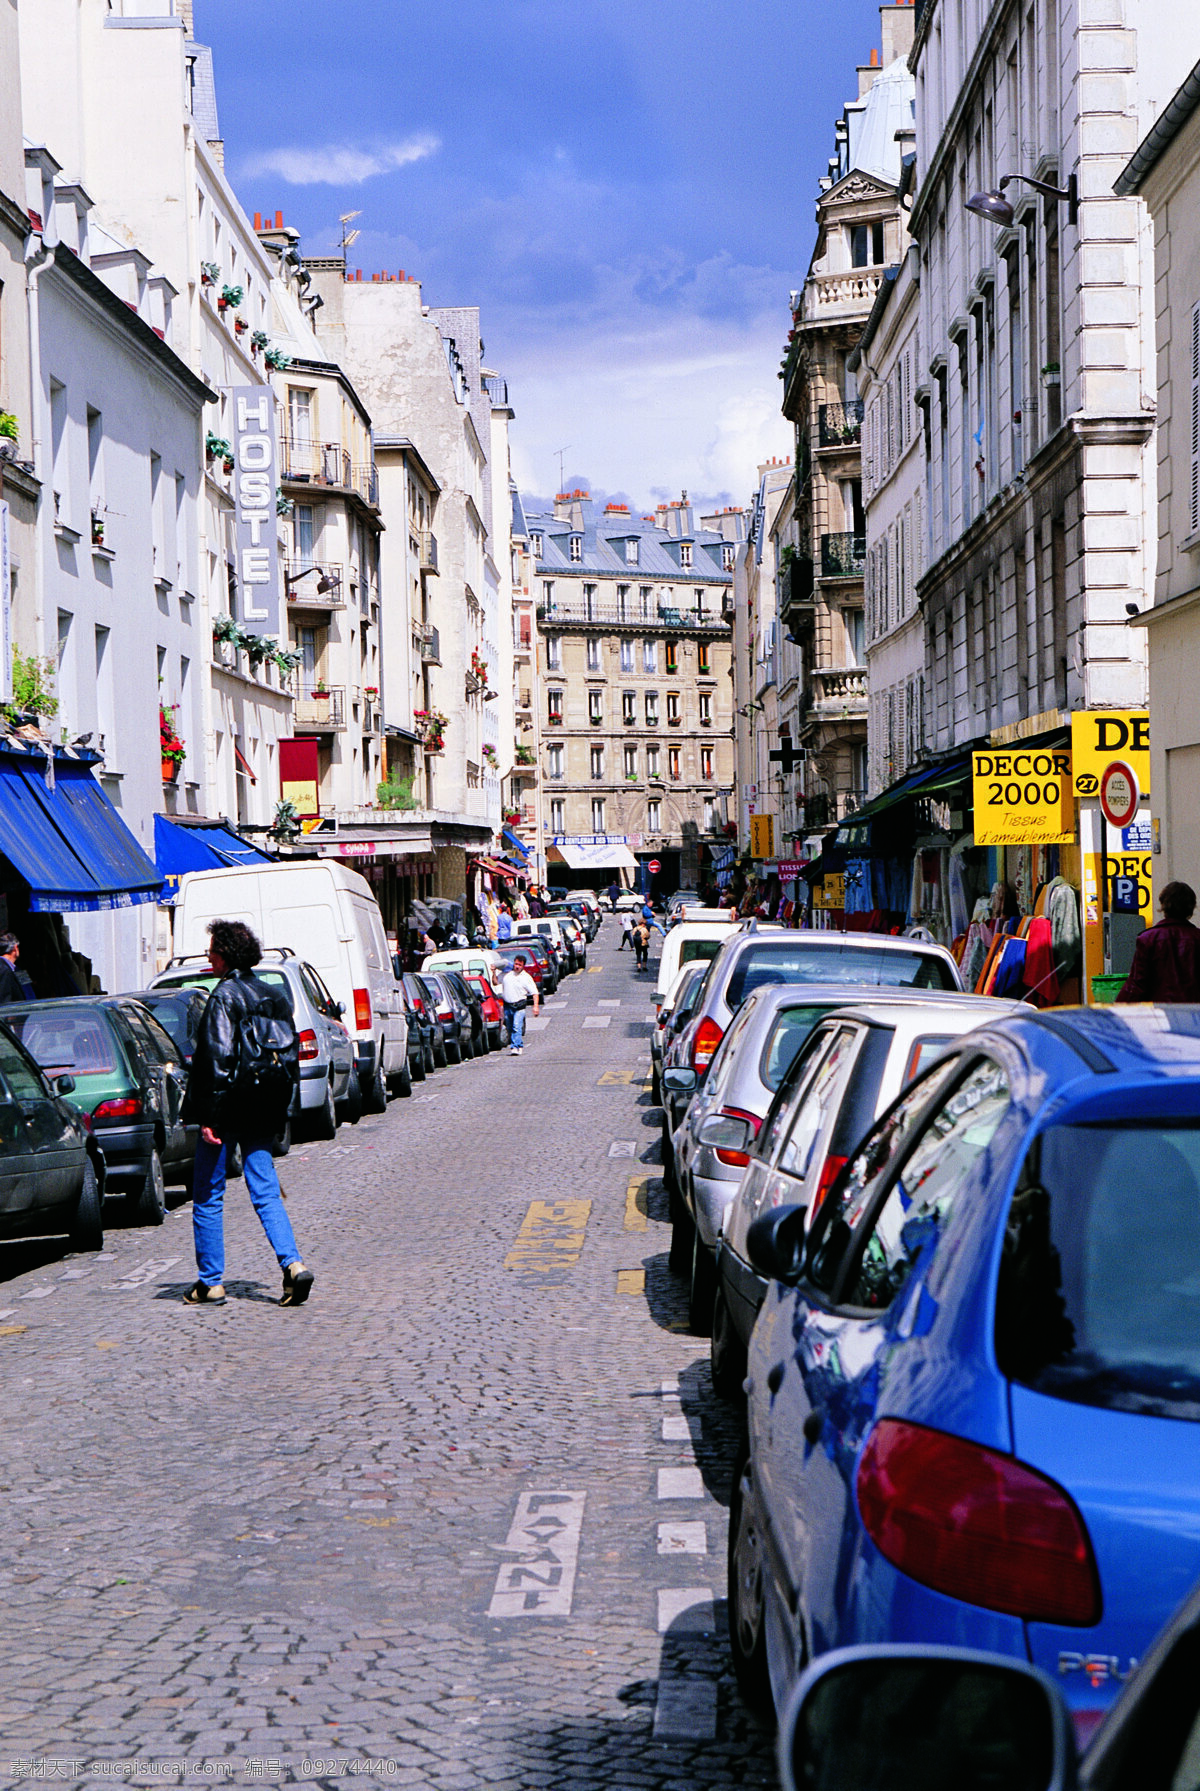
x,y
200,1294
297,1284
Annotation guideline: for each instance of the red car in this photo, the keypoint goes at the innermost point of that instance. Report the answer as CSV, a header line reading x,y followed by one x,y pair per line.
x,y
493,1011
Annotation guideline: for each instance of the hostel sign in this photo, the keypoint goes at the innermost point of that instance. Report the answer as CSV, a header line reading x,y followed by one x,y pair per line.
x,y
256,541
1023,797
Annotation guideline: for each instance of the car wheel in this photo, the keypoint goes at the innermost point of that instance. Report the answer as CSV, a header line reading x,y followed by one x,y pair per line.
x,y
401,1082
703,1286
350,1110
454,1051
417,1070
323,1121
726,1352
87,1226
441,1054
670,1182
496,1040
149,1202
430,1060
655,1087
375,1094
682,1241
746,1592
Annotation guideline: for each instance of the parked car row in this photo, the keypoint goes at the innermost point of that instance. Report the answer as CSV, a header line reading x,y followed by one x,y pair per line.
x,y
948,1251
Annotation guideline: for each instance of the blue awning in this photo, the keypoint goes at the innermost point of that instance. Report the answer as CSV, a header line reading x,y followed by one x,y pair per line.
x,y
516,845
180,849
69,843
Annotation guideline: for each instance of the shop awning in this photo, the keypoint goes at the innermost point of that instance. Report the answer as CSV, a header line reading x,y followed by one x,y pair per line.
x,y
69,843
179,848
919,783
496,867
595,858
515,845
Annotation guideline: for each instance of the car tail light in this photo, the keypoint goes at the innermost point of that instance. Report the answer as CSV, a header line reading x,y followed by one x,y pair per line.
x,y
704,1045
976,1524
743,1130
832,1168
308,1045
362,1009
129,1107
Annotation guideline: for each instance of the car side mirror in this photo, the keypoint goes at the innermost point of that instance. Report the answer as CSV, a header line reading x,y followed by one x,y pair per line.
x,y
919,1718
679,1081
340,1008
775,1243
64,1085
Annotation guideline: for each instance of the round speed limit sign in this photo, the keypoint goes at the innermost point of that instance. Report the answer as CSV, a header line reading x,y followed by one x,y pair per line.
x,y
1119,793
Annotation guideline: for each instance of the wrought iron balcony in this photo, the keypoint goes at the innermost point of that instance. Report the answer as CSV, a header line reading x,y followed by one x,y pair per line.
x,y
843,556
321,711
840,425
431,649
795,583
429,551
314,584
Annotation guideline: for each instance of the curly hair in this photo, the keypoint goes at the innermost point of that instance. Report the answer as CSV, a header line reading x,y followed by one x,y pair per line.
x,y
1178,901
235,942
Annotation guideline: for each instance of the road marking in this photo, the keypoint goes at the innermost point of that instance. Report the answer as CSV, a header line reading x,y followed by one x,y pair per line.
x,y
596,1021
686,1609
683,1539
595,969
341,1150
12,1330
622,1147
146,1271
631,1281
680,1483
424,1100
686,1709
609,1001
636,1208
544,1538
538,1024
7,1312
551,1236
670,1389
37,1293
676,1429
616,1079
102,1343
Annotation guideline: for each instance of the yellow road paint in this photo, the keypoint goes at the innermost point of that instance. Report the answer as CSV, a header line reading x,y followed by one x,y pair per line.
x,y
595,969
616,1079
12,1330
551,1236
637,1209
631,1281
101,1344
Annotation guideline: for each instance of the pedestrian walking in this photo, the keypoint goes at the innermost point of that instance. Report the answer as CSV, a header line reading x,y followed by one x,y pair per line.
x,y
1166,956
504,924
626,930
641,944
240,1088
10,983
517,989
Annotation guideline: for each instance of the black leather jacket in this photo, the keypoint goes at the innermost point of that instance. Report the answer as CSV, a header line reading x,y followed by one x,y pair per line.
x,y
212,1096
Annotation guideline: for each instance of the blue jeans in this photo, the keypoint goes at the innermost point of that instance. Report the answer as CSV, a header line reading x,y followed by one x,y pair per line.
x,y
514,1019
208,1202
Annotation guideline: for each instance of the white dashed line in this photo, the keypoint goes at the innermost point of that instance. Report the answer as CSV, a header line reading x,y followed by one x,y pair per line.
x,y
608,1003
683,1539
539,1024
622,1147
686,1609
598,1020
680,1483
37,1293
676,1429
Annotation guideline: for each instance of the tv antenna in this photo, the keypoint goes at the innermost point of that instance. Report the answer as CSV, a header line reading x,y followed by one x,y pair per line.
x,y
349,236
561,474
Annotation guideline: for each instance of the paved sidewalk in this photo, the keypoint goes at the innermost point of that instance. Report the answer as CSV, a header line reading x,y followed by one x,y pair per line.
x,y
462,1516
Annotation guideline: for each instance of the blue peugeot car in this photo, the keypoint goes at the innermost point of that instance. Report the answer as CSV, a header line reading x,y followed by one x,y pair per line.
x,y
973,1392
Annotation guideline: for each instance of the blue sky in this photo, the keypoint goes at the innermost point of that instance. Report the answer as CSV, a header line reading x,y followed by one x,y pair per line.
x,y
625,190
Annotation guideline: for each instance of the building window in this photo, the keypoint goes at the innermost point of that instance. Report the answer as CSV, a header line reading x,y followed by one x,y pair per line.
x,y
854,636
597,814
597,764
535,544
589,602
558,814
651,708
595,707
672,655
554,710
673,763
728,554
705,709
685,555
649,656
706,762
576,549
673,707
628,706
554,760
654,815
631,551
593,653
631,761
702,659
623,605
626,656
645,594
652,761
866,244
554,652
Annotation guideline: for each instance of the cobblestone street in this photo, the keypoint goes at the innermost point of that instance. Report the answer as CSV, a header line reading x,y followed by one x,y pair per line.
x,y
458,1522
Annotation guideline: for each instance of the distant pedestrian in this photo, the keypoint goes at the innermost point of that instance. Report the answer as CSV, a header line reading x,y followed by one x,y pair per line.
x,y
504,924
626,930
11,988
520,906
1166,957
641,944
240,1088
517,989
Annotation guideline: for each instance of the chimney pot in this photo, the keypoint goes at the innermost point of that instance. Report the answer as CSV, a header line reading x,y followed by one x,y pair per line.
x,y
279,220
258,220
874,58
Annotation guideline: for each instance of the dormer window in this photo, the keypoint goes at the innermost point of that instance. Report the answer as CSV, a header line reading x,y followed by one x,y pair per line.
x,y
535,544
727,556
631,551
866,244
685,555
576,548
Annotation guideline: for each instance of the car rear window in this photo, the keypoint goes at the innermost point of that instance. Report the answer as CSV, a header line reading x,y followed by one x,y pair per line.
x,y
1099,1293
204,979
66,1043
698,951
771,962
790,1028
18,1082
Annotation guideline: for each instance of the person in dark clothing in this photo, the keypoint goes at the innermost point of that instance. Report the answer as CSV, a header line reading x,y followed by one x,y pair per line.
x,y
1166,957
10,982
240,1088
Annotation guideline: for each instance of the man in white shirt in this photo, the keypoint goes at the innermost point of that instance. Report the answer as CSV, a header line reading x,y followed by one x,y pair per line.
x,y
517,987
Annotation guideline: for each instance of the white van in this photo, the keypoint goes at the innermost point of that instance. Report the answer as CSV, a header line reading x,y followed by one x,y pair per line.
x,y
551,932
472,960
328,914
684,944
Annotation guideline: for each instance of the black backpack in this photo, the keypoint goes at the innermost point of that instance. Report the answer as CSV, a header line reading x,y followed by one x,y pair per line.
x,y
266,1066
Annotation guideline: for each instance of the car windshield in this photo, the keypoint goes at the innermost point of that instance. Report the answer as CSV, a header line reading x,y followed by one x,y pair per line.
x,y
790,1028
786,962
699,951
1099,1294
61,1041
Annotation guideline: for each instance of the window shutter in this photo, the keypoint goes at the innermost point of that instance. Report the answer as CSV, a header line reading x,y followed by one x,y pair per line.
x,y
1195,481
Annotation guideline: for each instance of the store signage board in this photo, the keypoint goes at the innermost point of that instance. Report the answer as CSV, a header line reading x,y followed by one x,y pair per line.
x,y
762,836
300,776
791,867
1099,737
1023,797
1119,793
831,891
255,524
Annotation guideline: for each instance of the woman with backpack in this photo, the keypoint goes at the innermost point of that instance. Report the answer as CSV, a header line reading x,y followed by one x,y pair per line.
x,y
240,1090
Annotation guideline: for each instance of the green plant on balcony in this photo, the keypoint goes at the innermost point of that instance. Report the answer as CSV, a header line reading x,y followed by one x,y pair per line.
x,y
225,629
512,816
431,724
231,297
277,360
10,429
283,503
171,746
287,659
210,273
524,755
397,792
286,825
32,688
488,754
257,648
258,341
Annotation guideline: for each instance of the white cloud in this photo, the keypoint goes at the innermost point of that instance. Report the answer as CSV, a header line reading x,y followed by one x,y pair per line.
x,y
339,164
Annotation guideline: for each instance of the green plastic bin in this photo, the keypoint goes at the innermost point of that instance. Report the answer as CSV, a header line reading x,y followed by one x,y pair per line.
x,y
1105,989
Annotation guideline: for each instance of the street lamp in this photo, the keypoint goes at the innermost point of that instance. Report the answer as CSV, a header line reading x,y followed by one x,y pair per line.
x,y
998,210
326,581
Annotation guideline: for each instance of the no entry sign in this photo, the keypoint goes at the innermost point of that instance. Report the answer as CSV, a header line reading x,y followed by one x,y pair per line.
x,y
1119,793
654,867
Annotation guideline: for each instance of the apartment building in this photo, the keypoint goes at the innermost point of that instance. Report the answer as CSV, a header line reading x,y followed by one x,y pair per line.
x,y
524,808
19,487
861,230
635,678
764,662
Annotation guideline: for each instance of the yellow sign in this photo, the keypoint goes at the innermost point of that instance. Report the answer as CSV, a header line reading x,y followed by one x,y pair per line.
x,y
1023,798
762,836
1127,884
831,891
1098,736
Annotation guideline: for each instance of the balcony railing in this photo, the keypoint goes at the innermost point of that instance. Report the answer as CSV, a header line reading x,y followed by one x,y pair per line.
x,y
841,692
314,584
795,583
429,551
840,425
431,647
606,614
324,711
843,556
328,465
525,699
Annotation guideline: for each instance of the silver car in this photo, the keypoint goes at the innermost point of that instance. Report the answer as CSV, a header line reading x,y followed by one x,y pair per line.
x,y
329,1088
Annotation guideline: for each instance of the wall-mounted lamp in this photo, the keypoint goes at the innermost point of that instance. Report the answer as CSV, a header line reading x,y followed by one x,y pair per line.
x,y
995,207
